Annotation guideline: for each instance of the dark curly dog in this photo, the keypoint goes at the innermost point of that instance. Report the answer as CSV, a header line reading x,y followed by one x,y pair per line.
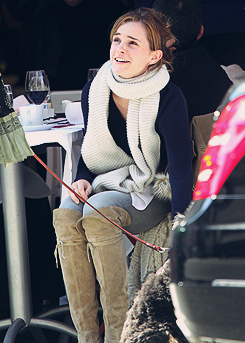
x,y
151,318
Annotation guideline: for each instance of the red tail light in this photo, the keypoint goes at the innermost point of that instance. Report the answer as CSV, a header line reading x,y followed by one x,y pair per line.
x,y
225,149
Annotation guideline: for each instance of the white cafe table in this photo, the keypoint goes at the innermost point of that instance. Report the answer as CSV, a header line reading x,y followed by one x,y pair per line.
x,y
70,138
16,237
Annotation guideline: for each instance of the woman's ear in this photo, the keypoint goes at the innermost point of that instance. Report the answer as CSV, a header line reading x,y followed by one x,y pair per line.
x,y
156,56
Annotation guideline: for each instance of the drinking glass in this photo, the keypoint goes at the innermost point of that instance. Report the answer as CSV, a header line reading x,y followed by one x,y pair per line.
x,y
9,93
37,86
92,72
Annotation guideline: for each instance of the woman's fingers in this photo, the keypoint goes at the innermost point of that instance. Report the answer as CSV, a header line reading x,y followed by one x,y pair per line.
x,y
72,195
82,188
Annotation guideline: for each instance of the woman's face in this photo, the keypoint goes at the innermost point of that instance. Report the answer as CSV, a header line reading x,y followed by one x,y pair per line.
x,y
130,52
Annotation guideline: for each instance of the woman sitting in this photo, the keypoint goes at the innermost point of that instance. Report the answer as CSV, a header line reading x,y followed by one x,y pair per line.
x,y
136,124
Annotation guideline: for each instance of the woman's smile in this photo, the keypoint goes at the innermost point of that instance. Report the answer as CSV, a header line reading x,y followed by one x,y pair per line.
x,y
121,60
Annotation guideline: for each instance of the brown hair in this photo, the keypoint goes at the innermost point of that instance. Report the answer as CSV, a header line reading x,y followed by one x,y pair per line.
x,y
157,30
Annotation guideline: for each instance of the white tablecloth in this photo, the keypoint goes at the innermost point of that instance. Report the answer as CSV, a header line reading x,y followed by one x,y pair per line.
x,y
70,138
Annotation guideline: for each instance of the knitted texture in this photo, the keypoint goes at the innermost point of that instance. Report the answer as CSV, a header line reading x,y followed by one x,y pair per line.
x,y
144,259
115,169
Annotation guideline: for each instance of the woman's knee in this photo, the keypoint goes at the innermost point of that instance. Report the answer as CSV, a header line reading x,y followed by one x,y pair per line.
x,y
71,205
107,199
101,231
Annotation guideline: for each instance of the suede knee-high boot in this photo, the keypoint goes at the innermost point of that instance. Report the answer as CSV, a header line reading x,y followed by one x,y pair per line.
x,y
109,258
78,273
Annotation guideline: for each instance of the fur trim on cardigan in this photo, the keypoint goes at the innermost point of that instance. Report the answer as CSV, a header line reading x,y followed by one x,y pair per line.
x,y
161,187
181,217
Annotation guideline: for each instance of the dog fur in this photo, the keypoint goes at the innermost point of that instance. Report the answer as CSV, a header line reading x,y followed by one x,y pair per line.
x,y
151,318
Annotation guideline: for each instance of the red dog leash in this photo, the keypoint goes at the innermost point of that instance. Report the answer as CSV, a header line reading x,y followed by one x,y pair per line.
x,y
130,235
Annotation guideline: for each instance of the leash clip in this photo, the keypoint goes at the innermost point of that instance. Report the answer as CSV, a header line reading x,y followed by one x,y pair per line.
x,y
162,250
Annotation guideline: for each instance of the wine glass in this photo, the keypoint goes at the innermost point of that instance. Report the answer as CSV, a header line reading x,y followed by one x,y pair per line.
x,y
92,73
9,93
37,86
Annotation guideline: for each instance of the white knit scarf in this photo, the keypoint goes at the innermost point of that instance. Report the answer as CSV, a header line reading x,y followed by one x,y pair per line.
x,y
115,169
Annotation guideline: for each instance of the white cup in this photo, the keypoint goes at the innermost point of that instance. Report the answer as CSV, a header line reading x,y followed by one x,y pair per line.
x,y
73,112
31,115
92,73
48,113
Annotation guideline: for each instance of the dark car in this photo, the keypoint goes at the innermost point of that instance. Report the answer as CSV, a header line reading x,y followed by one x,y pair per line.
x,y
208,253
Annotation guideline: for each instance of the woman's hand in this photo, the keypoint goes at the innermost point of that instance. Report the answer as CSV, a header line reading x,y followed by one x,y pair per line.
x,y
81,187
